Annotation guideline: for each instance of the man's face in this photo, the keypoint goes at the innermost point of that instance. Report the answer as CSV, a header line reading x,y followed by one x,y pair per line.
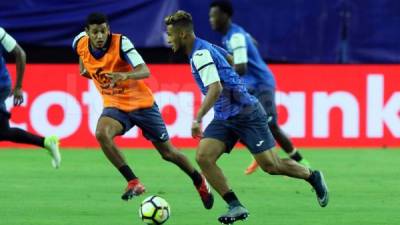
x,y
173,38
217,18
98,34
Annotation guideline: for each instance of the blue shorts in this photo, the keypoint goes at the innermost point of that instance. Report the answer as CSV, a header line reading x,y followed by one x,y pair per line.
x,y
266,96
149,120
250,128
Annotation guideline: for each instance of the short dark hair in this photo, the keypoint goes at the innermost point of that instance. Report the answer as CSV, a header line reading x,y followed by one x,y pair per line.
x,y
96,18
224,5
180,18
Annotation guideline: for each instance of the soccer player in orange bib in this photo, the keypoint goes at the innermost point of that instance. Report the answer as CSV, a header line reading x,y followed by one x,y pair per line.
x,y
118,70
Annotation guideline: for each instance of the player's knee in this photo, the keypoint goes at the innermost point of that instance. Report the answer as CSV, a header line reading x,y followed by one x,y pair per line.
x,y
203,159
168,156
102,137
270,168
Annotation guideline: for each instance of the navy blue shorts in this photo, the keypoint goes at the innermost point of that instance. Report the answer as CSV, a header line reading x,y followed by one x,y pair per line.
x,y
266,96
149,120
250,128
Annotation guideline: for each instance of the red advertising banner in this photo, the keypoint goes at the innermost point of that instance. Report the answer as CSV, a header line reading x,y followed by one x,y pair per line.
x,y
318,105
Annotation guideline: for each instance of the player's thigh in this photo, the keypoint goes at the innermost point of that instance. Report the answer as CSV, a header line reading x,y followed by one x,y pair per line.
x,y
220,130
209,150
113,122
108,127
253,131
151,123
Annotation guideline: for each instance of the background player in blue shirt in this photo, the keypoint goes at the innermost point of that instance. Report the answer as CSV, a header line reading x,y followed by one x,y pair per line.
x,y
238,115
7,133
255,73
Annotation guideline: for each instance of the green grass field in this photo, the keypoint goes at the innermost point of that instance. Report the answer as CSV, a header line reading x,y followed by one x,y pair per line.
x,y
364,190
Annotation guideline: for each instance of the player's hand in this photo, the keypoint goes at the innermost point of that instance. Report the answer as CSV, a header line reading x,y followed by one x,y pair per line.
x,y
18,96
196,130
85,73
116,77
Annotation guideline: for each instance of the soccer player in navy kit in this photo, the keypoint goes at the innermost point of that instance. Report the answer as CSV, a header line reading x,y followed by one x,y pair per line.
x,y
238,115
7,133
258,78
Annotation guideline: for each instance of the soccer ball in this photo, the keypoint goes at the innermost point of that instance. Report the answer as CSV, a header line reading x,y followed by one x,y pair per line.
x,y
154,210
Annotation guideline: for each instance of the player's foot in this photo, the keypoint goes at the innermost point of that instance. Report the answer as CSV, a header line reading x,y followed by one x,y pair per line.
x,y
318,182
305,163
134,188
251,168
51,143
205,193
234,214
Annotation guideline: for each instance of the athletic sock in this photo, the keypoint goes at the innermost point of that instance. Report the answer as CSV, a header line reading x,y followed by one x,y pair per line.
x,y
231,199
126,171
310,179
295,155
196,178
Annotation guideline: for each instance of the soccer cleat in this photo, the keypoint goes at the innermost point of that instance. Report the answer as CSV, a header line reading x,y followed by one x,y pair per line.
x,y
134,188
205,193
305,163
234,214
51,143
318,182
251,168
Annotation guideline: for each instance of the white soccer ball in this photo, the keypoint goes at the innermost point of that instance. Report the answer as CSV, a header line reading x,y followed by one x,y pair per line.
x,y
154,210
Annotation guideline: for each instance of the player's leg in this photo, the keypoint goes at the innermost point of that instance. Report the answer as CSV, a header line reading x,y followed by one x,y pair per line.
x,y
171,154
18,135
255,134
267,100
153,127
218,138
272,164
285,143
111,124
208,152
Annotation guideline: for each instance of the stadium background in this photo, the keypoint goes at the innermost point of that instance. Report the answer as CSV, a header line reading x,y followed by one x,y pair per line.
x,y
353,104
336,65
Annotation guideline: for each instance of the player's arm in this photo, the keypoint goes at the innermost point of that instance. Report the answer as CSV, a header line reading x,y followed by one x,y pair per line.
x,y
229,58
239,48
11,46
131,55
213,93
226,54
20,61
209,75
82,70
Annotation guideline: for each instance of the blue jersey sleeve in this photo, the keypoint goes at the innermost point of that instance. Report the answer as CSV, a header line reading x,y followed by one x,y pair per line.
x,y
221,50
